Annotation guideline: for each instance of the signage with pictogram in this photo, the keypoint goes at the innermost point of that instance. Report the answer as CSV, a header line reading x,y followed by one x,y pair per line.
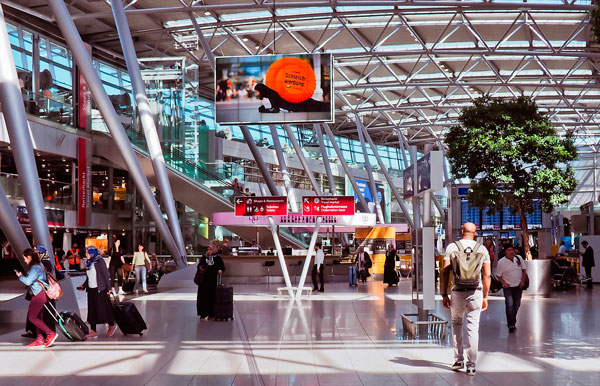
x,y
328,205
261,206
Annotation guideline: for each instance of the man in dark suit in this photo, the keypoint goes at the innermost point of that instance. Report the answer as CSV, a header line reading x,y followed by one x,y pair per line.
x,y
587,261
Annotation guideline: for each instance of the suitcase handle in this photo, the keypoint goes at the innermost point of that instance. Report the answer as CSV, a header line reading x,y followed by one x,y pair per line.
x,y
118,303
54,312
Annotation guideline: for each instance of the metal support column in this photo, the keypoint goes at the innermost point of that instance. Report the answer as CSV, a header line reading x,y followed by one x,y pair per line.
x,y
83,60
426,197
287,182
150,133
205,46
20,141
325,156
361,198
311,249
402,147
311,176
372,186
286,276
389,180
35,65
259,160
12,229
416,201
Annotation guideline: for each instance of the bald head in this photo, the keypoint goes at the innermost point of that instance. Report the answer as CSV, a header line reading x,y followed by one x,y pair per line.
x,y
469,230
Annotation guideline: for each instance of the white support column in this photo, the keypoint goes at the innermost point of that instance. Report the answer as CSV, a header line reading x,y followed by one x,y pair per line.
x,y
286,275
120,139
311,249
150,132
20,141
371,182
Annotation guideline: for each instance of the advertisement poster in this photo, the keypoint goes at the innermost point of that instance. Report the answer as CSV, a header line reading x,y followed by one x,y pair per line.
x,y
408,182
364,189
274,89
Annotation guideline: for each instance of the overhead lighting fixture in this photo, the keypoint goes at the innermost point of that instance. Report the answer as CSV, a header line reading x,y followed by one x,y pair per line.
x,y
207,13
244,39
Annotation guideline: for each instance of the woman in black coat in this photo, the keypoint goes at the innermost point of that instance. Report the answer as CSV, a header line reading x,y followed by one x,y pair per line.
x,y
210,266
97,285
389,268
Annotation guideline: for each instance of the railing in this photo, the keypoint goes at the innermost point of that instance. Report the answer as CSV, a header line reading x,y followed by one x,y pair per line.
x,y
48,108
53,191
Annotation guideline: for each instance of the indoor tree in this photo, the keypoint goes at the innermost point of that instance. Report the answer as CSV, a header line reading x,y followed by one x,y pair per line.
x,y
513,155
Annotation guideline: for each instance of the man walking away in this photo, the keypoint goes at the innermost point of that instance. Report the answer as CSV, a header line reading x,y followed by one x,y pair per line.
x,y
469,262
512,274
318,268
587,262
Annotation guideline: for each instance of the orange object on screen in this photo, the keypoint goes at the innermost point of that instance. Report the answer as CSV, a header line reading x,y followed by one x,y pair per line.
x,y
292,78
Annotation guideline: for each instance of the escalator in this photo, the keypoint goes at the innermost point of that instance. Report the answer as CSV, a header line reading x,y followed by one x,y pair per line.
x,y
194,185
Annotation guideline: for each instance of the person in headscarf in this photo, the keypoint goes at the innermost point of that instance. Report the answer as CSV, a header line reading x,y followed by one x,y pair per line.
x,y
210,266
97,285
363,263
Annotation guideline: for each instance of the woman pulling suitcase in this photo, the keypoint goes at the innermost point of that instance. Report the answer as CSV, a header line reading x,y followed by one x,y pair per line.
x,y
97,285
35,278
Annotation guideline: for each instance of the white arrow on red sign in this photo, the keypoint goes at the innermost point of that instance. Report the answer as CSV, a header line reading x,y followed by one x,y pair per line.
x,y
239,201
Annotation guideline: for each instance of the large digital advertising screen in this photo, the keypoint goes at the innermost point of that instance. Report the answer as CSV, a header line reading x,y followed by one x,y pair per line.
x,y
274,89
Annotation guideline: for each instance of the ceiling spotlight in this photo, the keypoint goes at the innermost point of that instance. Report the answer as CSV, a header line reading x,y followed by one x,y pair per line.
x,y
207,13
244,39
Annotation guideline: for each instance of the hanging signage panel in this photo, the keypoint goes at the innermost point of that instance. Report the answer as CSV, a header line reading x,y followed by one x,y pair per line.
x,y
84,181
261,206
328,205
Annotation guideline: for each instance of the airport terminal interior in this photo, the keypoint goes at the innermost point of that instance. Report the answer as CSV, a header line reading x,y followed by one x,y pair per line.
x,y
262,192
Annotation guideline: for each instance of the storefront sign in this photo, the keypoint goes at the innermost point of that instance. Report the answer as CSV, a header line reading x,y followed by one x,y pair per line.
x,y
328,205
261,206
84,182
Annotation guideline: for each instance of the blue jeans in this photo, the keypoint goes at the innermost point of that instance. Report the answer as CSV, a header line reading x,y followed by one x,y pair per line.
x,y
512,299
140,274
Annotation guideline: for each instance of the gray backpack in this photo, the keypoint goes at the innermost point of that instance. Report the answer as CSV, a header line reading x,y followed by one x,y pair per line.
x,y
466,266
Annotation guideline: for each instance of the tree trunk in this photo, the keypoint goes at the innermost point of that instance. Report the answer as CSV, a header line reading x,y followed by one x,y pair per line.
x,y
524,232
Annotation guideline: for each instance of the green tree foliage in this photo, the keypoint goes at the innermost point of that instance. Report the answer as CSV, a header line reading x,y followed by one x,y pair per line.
x,y
512,154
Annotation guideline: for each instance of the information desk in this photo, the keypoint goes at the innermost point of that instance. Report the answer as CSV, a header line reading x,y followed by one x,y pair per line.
x,y
250,269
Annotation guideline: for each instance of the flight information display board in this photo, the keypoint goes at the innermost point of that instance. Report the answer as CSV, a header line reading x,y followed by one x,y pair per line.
x,y
534,220
469,213
490,221
509,220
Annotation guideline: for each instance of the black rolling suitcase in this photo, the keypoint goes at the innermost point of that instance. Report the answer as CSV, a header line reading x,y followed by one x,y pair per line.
x,y
223,302
129,282
69,323
128,318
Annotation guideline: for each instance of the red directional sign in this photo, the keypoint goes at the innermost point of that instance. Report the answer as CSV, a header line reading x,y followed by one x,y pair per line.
x,y
261,206
328,205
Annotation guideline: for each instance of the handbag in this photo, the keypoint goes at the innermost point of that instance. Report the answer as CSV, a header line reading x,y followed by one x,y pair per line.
x,y
199,277
53,289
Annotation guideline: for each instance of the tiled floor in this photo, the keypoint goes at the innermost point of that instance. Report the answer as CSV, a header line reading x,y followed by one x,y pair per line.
x,y
346,336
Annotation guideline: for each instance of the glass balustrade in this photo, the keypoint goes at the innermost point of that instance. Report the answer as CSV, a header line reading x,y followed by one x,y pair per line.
x,y
48,108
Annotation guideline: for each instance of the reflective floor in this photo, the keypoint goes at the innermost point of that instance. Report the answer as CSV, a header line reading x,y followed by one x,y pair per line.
x,y
345,336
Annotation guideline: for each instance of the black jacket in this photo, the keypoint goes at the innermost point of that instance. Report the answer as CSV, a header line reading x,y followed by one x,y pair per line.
x,y
588,257
102,277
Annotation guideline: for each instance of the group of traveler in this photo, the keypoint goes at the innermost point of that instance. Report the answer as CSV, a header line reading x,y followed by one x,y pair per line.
x,y
470,265
99,283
